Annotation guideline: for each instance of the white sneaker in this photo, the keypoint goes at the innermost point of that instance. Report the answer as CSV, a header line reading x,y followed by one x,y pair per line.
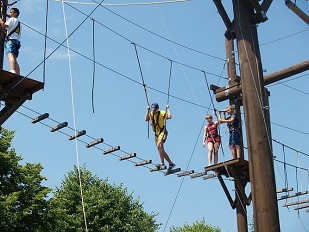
x,y
13,71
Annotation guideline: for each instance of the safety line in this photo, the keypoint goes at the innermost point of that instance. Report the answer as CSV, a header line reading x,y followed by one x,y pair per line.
x,y
45,43
94,64
125,4
74,119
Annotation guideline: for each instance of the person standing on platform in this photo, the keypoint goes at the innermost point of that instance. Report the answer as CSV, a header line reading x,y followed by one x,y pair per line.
x,y
212,138
233,124
12,39
157,118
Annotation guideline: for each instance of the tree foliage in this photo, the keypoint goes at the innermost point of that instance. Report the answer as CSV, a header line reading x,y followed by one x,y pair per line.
x,y
198,226
108,207
23,203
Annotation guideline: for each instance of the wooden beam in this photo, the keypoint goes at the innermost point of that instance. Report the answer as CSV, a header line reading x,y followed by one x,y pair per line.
x,y
223,14
95,142
301,207
126,157
185,173
226,191
8,110
207,177
158,168
239,187
59,126
284,190
105,152
40,118
292,195
78,134
295,203
260,15
199,174
142,163
266,4
297,11
230,91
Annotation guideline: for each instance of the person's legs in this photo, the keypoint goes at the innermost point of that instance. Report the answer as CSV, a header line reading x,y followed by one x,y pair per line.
x,y
216,151
210,146
237,148
163,154
12,51
13,63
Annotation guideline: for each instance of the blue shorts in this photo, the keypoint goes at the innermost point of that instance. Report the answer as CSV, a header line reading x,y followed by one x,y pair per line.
x,y
234,138
12,46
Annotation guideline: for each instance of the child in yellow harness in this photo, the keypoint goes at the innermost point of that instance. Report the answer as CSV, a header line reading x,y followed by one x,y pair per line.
x,y
157,118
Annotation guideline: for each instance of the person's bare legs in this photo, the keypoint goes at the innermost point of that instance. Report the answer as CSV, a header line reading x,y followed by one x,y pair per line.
x,y
13,63
233,152
237,148
163,154
216,151
210,146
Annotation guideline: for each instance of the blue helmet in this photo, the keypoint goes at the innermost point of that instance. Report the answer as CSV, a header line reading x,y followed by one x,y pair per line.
x,y
154,106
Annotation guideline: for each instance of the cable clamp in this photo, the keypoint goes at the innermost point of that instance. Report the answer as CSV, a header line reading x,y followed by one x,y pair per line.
x,y
226,91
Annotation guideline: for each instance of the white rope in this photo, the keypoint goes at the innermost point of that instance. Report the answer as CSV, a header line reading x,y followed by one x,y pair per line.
x,y
74,119
124,4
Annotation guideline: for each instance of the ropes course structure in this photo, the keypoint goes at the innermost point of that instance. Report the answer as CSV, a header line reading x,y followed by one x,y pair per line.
x,y
226,168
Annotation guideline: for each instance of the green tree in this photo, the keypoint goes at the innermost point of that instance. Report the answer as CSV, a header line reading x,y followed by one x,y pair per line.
x,y
108,207
198,226
23,203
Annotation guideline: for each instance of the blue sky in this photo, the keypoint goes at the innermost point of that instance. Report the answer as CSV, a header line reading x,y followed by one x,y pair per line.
x,y
120,103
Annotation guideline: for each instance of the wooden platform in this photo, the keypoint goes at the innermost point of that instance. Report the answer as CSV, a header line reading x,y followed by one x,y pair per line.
x,y
229,168
238,169
14,91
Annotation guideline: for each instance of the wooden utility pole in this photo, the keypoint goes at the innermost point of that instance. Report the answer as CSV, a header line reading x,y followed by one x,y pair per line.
x,y
241,211
4,5
262,177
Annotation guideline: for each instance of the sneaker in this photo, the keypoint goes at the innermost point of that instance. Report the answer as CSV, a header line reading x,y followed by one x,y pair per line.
x,y
171,166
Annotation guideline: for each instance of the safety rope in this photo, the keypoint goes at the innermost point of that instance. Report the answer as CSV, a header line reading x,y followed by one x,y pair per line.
x,y
215,111
74,119
45,43
143,81
168,90
73,112
124,4
94,64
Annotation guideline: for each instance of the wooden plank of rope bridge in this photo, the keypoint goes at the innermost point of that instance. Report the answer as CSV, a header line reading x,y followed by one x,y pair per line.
x,y
296,203
95,142
185,173
207,177
14,91
40,118
172,171
301,207
59,126
142,163
105,152
292,195
284,190
158,168
78,134
199,174
129,156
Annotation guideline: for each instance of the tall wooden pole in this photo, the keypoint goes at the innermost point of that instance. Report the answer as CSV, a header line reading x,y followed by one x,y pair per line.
x,y
241,211
2,33
262,178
